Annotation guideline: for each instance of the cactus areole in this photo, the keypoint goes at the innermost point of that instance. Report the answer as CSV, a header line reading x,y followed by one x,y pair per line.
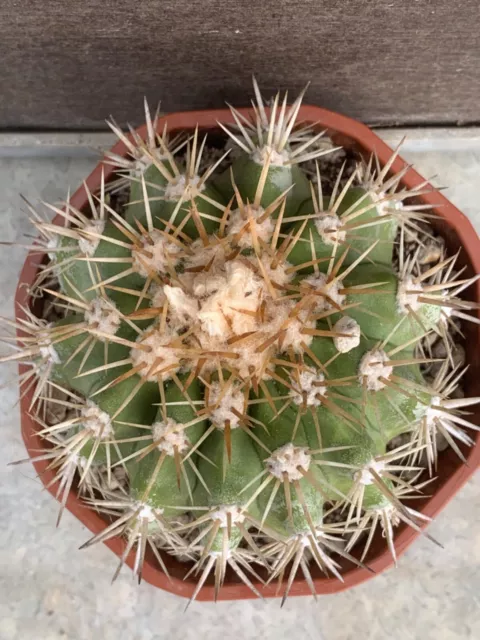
x,y
241,343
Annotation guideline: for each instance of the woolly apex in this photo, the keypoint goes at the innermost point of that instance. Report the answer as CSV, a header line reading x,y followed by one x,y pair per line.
x,y
235,306
234,301
157,295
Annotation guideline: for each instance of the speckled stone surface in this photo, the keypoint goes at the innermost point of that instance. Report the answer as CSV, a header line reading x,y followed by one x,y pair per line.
x,y
51,591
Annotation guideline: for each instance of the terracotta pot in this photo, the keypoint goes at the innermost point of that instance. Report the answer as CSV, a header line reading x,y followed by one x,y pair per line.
x,y
458,232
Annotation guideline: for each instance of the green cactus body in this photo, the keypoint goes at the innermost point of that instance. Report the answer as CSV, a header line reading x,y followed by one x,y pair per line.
x,y
277,437
379,314
170,489
210,214
327,233
389,410
246,173
108,260
124,421
155,184
357,199
228,479
227,483
74,370
255,371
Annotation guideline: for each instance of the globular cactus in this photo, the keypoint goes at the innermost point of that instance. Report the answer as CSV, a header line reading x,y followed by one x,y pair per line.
x,y
242,345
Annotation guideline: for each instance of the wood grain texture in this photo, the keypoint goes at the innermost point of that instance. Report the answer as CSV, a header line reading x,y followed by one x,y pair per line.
x,y
67,64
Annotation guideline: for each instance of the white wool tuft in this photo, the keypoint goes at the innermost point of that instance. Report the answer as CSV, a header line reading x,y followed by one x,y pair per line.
x,y
329,228
79,461
319,282
430,414
222,312
220,514
215,253
183,188
304,540
103,316
46,348
372,368
261,155
170,434
405,299
50,354
205,284
232,399
238,221
392,514
159,357
252,362
350,326
88,245
143,162
447,312
276,275
364,476
388,207
309,383
155,254
53,244
146,512
158,295
183,307
287,459
98,422
220,554
294,337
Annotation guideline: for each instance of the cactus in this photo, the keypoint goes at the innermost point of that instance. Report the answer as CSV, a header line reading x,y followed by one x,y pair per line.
x,y
242,346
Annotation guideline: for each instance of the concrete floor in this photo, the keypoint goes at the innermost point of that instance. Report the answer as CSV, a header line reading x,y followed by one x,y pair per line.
x,y
51,591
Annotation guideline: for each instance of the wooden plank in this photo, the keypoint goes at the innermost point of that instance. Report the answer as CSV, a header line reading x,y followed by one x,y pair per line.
x,y
70,64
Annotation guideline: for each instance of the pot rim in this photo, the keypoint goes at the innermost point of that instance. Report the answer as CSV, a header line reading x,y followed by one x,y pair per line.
x,y
369,142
